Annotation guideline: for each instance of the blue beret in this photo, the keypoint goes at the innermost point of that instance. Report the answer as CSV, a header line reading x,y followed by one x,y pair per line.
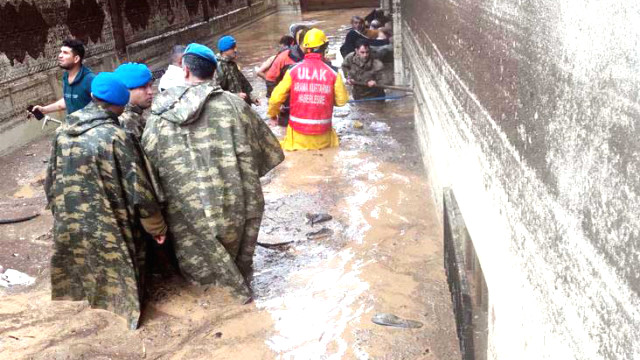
x,y
201,51
108,87
226,42
133,75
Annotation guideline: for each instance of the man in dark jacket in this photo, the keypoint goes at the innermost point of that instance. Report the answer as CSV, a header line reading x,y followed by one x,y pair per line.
x,y
359,32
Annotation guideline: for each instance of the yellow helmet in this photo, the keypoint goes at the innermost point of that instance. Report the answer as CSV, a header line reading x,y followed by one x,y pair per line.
x,y
314,38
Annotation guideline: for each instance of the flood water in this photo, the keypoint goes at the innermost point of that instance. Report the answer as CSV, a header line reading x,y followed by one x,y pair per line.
x,y
314,298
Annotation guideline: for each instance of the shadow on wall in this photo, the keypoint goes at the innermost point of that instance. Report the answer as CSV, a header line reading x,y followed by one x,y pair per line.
x,y
22,31
469,293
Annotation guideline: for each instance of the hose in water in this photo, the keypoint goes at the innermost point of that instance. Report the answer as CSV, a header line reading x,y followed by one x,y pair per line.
x,y
397,97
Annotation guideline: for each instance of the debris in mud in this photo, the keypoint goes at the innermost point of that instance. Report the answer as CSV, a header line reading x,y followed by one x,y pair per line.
x,y
18,219
379,126
317,218
320,234
385,319
274,244
342,114
358,124
13,277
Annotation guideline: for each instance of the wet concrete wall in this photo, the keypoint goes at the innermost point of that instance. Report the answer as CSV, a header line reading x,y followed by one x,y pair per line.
x,y
529,112
114,31
313,5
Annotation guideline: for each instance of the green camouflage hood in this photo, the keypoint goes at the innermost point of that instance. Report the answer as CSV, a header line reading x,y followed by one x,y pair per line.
x,y
89,117
171,104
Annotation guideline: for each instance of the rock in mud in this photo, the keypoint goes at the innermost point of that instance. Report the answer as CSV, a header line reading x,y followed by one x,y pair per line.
x,y
318,218
385,319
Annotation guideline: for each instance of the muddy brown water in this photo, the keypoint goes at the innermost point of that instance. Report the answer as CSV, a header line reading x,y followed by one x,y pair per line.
x,y
314,298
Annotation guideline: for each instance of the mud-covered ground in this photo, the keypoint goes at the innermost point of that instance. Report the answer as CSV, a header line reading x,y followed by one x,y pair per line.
x,y
314,298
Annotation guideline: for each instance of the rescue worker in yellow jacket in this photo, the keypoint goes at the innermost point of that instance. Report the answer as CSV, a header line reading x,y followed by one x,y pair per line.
x,y
314,87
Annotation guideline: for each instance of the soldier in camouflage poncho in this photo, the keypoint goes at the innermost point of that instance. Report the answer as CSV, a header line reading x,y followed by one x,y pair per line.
x,y
209,150
228,75
139,81
132,120
96,188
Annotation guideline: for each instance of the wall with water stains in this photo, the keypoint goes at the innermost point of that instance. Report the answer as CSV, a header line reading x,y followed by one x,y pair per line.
x,y
137,30
529,111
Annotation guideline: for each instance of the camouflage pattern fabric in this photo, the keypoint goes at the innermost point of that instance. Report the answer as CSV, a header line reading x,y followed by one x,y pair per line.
x,y
231,79
362,71
209,150
132,120
96,187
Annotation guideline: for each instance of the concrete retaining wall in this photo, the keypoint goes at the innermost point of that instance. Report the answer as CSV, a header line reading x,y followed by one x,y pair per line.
x,y
529,111
135,30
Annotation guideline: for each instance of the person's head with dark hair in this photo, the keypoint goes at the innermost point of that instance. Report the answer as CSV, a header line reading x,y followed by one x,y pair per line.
x,y
71,54
176,55
199,63
299,34
362,49
286,41
357,23
294,29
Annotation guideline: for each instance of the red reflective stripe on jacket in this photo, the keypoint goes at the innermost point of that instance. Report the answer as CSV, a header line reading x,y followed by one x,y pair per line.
x,y
312,95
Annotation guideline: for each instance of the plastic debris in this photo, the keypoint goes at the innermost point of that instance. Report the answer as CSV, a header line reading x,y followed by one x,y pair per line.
x,y
385,319
379,126
13,277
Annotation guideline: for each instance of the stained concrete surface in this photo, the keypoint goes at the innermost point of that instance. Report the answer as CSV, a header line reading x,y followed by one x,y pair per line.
x,y
314,298
529,112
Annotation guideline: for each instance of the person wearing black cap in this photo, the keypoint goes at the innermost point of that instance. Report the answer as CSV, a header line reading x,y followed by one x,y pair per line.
x,y
209,149
97,189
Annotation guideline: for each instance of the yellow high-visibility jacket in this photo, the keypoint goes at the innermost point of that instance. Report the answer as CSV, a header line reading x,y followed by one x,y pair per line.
x,y
281,93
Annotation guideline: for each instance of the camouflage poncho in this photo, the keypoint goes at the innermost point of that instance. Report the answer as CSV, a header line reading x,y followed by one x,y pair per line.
x,y
209,150
231,79
132,120
96,187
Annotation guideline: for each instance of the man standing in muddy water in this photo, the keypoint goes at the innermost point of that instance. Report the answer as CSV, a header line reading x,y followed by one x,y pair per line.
x,y
313,88
97,189
209,150
364,72
228,75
